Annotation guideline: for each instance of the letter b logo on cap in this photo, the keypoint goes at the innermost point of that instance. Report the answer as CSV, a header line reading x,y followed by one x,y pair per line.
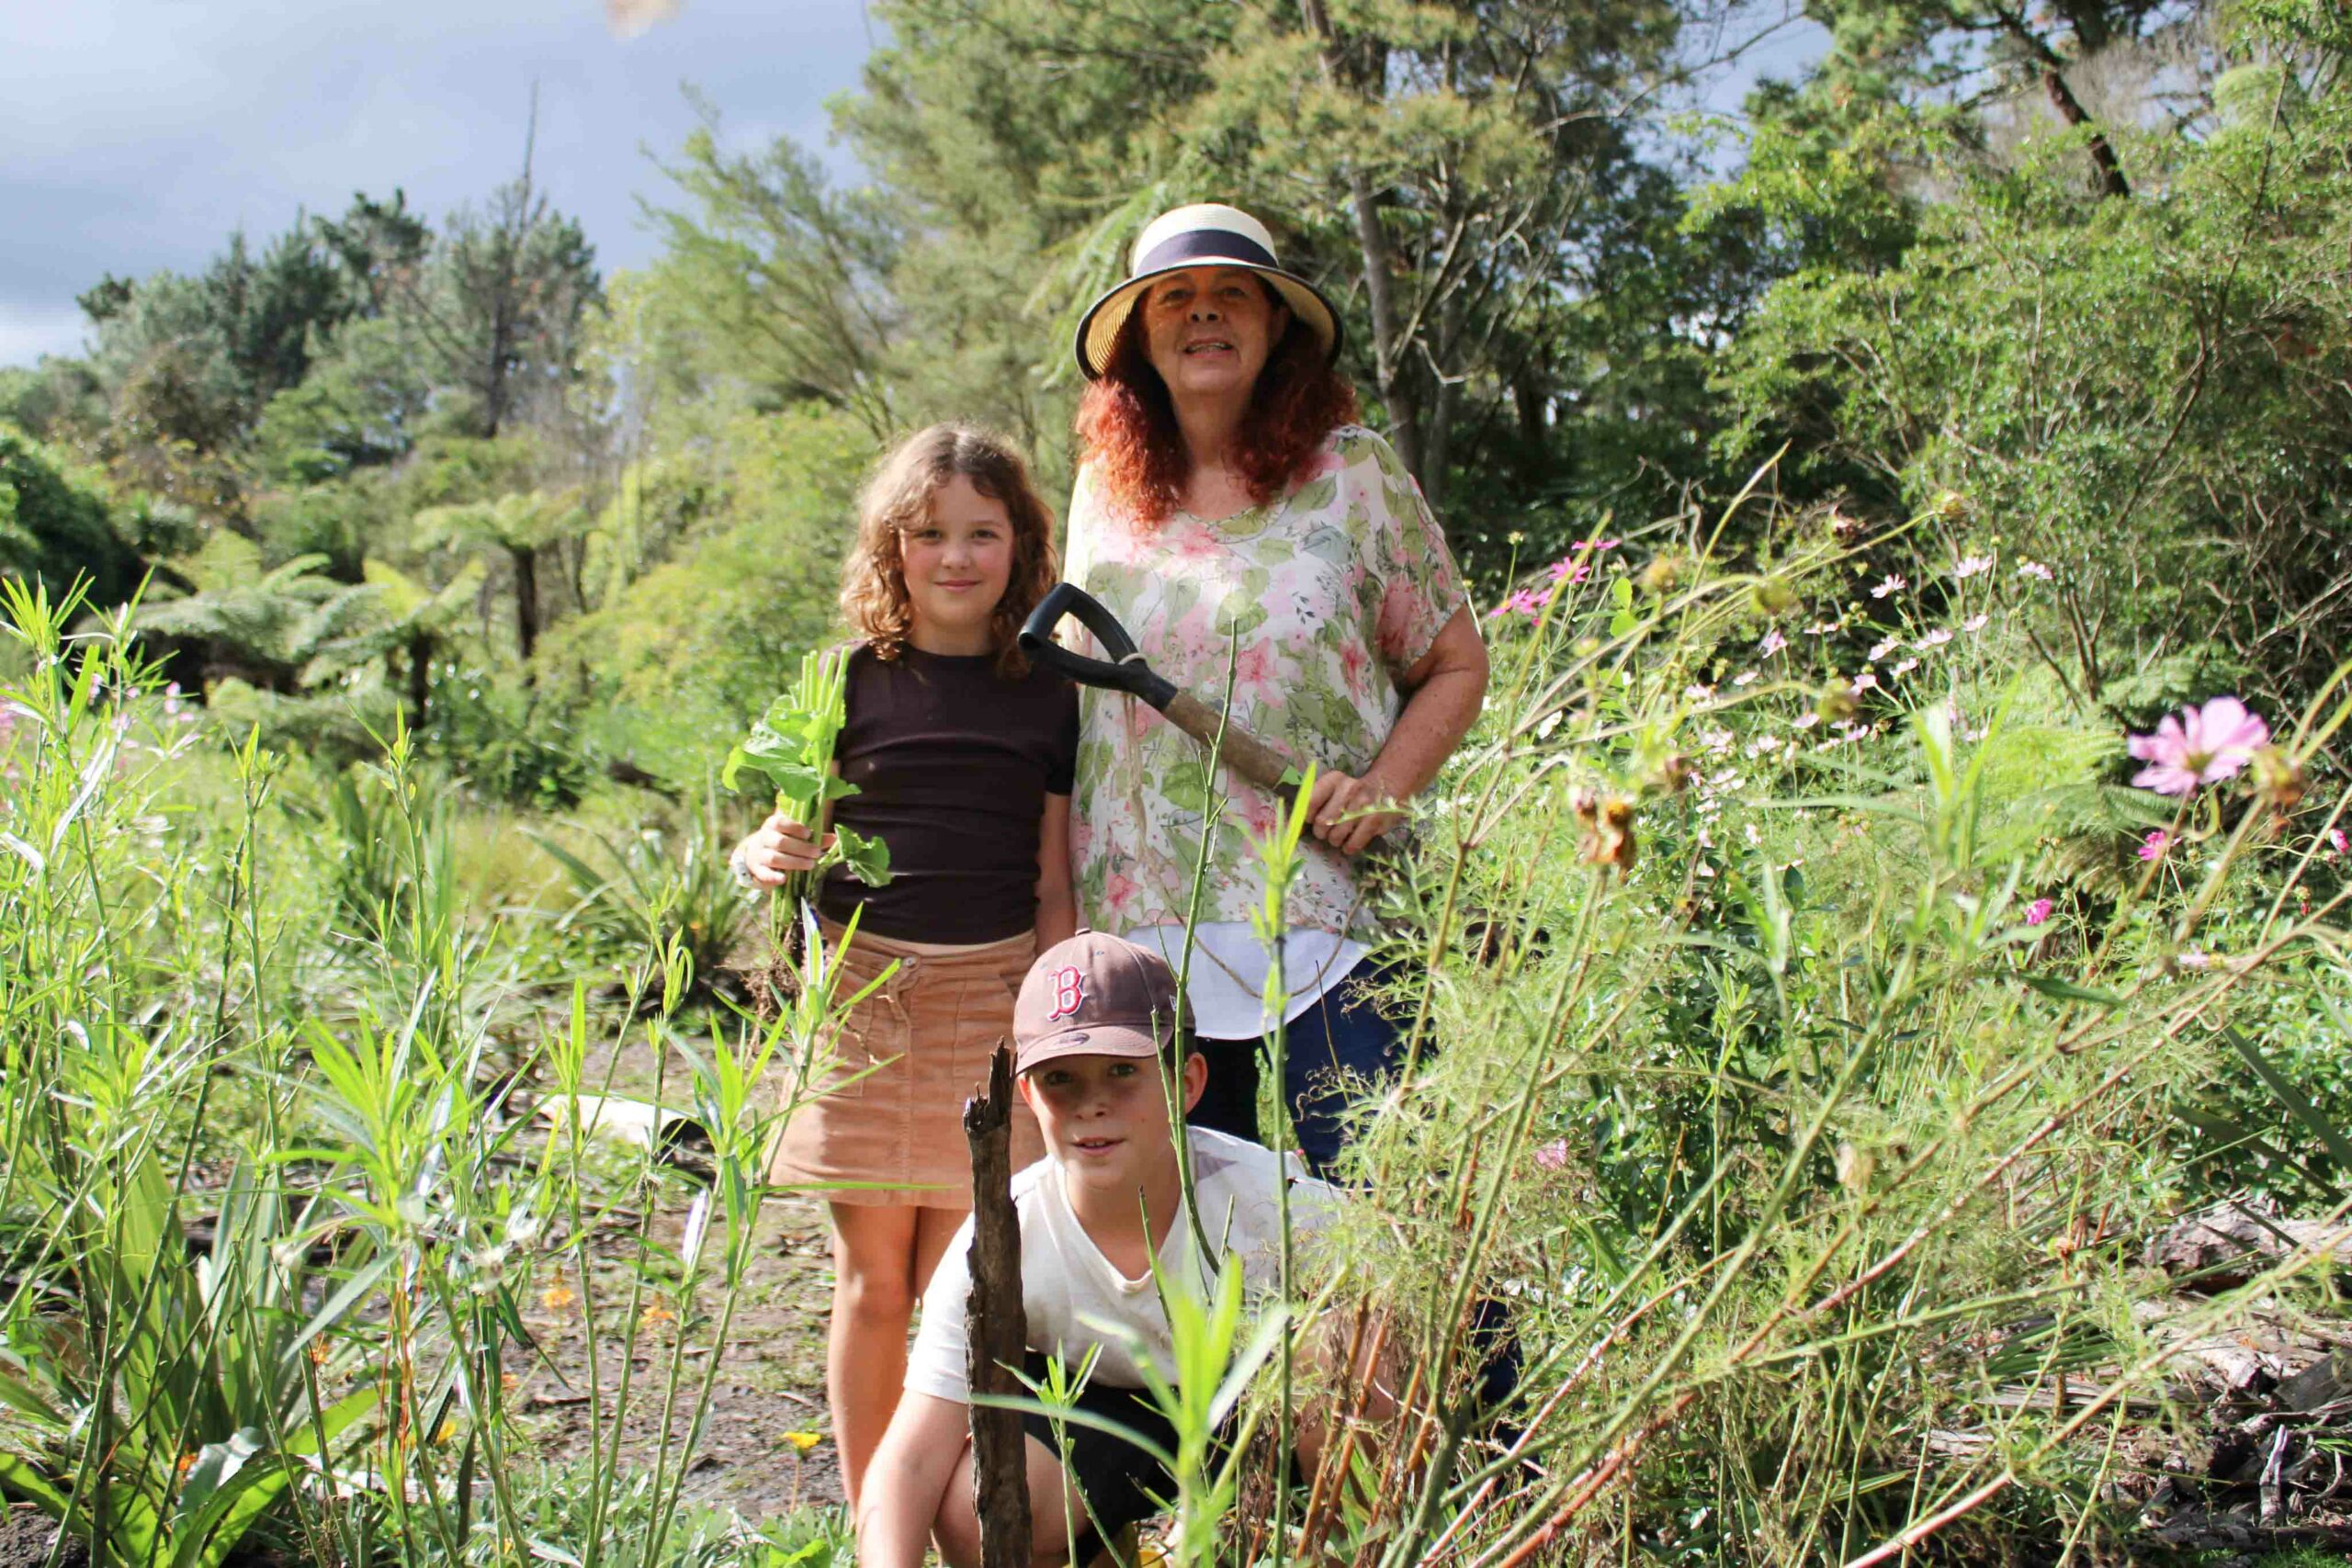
x,y
1069,990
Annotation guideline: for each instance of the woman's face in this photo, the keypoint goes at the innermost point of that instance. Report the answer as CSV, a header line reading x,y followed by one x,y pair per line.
x,y
1209,330
957,563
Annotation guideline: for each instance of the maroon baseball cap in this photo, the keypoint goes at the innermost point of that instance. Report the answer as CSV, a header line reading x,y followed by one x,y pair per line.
x,y
1096,996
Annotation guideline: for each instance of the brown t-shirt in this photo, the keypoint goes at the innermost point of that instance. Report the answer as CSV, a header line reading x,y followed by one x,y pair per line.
x,y
952,764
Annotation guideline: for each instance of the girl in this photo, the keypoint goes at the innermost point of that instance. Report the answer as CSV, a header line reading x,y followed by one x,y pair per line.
x,y
962,755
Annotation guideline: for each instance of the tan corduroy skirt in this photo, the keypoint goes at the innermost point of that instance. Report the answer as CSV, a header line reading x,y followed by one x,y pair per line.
x,y
926,1035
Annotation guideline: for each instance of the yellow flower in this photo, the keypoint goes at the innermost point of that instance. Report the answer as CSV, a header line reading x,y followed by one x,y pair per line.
x,y
654,1315
557,1296
508,1382
803,1441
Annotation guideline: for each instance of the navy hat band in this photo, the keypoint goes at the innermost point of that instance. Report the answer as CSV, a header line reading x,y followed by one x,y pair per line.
x,y
1217,244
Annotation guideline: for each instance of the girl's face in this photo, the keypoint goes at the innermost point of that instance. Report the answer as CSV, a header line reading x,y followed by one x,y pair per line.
x,y
1209,330
958,564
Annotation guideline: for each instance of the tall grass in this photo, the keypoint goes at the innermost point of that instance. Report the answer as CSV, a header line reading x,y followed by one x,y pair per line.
x,y
1798,1065
334,1363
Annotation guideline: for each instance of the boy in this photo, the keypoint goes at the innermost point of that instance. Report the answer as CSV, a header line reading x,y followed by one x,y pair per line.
x,y
1096,1020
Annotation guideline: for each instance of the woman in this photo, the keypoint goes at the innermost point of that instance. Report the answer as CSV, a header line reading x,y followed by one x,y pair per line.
x,y
1232,513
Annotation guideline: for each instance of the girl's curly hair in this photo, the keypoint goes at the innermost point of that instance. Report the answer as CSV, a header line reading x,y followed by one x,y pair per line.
x,y
874,582
1126,425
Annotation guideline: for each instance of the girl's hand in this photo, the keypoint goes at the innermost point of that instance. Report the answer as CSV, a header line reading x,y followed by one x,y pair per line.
x,y
779,849
1348,813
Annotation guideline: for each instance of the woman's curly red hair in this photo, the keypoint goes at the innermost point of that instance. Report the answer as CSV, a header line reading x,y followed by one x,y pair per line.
x,y
874,582
1127,431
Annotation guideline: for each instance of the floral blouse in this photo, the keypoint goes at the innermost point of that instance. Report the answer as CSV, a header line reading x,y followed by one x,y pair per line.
x,y
1320,601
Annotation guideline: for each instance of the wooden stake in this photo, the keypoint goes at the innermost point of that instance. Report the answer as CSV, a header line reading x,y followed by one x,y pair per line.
x,y
996,1326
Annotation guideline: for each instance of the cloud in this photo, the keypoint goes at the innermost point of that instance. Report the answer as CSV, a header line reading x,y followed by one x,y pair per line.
x,y
30,331
142,132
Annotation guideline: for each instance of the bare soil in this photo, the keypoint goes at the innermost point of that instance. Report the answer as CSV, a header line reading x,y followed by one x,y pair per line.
x,y
771,1376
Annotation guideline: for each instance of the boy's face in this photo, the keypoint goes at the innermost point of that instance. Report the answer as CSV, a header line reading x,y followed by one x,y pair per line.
x,y
1105,1118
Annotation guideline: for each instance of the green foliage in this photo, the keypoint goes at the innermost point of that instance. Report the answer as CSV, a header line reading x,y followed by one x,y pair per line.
x,y
2149,391
58,525
791,746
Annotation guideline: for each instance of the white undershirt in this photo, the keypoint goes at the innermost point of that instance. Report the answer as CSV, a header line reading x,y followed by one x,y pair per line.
x,y
1228,983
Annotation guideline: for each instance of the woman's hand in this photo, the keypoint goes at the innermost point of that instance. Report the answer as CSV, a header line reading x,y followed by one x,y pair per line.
x,y
1348,813
780,849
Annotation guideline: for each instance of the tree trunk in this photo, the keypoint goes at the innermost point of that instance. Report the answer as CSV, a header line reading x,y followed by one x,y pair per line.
x,y
526,598
419,677
1389,370
996,1326
2070,110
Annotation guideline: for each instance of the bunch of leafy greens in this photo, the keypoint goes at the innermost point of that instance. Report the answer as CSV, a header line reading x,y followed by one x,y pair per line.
x,y
792,746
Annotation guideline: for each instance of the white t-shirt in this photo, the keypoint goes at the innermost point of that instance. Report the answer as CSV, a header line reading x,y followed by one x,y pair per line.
x,y
1076,1300
1226,985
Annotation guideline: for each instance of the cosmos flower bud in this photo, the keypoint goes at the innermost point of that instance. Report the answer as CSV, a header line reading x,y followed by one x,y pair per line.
x,y
1773,596
1661,576
1835,703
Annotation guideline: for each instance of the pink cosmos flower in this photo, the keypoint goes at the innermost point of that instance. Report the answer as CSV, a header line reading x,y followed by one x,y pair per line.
x,y
2337,844
1891,583
1936,639
1553,1155
2152,848
1969,566
2035,568
2037,911
1903,667
1594,544
1880,650
1975,623
1773,642
1569,569
2203,745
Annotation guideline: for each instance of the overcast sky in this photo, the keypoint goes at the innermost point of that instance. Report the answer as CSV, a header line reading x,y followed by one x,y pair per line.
x,y
136,134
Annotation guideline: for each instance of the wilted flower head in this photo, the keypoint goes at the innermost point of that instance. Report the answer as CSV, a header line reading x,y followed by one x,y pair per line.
x,y
2203,745
1608,830
2278,779
1836,701
1950,505
1673,774
2337,844
1661,575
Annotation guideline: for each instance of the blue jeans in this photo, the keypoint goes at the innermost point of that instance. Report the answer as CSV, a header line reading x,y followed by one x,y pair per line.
x,y
1339,1041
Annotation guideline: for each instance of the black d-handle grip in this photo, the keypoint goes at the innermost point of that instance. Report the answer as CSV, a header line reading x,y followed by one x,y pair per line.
x,y
1124,670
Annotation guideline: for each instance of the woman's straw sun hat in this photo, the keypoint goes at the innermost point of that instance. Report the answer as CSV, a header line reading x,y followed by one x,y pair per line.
x,y
1206,234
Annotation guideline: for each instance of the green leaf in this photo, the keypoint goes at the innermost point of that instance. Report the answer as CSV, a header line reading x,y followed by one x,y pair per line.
x,y
2068,991
868,859
2290,1095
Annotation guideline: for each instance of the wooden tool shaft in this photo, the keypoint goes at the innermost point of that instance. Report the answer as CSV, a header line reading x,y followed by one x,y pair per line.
x,y
1236,748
